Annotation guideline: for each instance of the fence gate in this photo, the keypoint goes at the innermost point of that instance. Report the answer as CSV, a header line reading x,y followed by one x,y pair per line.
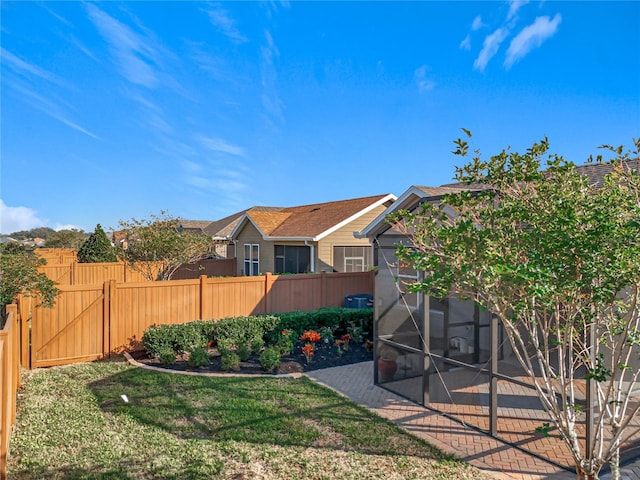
x,y
73,331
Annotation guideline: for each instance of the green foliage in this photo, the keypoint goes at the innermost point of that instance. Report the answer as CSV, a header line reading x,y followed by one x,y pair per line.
x,y
244,352
557,258
156,247
40,232
229,361
66,239
19,275
242,332
178,338
97,248
198,357
285,341
333,318
270,359
167,356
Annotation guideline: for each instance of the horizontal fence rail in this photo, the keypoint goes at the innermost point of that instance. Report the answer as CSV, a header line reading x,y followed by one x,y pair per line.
x,y
89,322
74,273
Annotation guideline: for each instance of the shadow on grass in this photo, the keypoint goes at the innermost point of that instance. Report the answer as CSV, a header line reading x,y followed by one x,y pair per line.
x,y
284,412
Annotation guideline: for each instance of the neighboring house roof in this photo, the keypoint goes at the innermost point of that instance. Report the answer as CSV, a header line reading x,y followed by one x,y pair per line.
x,y
221,229
309,222
5,239
198,226
595,171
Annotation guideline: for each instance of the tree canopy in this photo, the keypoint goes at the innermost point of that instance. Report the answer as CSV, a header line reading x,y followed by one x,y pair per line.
x,y
97,248
558,259
19,274
156,248
66,239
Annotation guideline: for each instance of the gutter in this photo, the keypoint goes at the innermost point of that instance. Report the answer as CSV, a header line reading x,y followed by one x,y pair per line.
x,y
313,255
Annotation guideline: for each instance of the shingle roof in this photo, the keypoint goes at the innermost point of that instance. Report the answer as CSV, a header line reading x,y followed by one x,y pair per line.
x,y
222,228
597,171
307,220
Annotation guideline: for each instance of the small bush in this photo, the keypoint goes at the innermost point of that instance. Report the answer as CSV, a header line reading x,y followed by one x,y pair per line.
x,y
198,357
286,341
337,319
157,339
232,333
167,356
270,359
180,338
244,352
230,361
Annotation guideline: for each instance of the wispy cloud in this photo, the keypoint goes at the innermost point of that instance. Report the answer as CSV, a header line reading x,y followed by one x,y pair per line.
x,y
477,23
46,105
466,43
514,6
270,99
424,83
490,47
24,68
134,54
530,37
220,18
15,219
220,145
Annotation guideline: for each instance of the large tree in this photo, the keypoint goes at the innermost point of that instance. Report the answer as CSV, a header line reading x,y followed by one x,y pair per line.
x,y
558,259
19,274
156,247
97,248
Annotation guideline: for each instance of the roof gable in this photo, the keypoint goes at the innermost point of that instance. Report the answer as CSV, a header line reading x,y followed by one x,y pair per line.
x,y
309,222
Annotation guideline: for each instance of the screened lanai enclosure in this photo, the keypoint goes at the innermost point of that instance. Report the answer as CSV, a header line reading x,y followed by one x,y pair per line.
x,y
453,357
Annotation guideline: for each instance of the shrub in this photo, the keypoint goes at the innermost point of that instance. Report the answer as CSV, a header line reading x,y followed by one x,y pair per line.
x,y
244,352
198,357
180,338
334,318
286,341
230,361
231,333
167,356
270,359
157,339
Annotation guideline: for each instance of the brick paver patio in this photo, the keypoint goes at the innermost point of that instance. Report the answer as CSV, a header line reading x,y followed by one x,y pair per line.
x,y
500,459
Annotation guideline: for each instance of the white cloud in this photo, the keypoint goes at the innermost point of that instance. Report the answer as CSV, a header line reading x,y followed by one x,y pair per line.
x,y
15,219
21,67
530,37
477,23
514,7
220,19
466,43
220,145
270,99
134,54
490,47
67,226
424,83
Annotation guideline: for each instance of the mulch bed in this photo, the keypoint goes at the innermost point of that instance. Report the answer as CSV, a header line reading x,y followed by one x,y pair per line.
x,y
325,356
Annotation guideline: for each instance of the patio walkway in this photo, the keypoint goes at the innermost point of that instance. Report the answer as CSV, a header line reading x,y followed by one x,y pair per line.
x,y
492,456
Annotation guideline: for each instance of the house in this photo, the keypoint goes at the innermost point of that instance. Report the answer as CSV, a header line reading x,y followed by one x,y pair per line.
x,y
307,238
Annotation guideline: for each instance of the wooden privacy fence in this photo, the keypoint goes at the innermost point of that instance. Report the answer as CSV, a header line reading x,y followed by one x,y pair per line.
x,y
74,273
89,322
9,381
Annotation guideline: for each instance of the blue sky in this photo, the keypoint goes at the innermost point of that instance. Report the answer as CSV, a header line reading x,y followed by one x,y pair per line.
x,y
119,110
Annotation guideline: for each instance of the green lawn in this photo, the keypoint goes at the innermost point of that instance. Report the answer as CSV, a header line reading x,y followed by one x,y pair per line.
x,y
73,423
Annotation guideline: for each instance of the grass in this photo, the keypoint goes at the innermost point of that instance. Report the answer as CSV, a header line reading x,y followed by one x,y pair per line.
x,y
74,424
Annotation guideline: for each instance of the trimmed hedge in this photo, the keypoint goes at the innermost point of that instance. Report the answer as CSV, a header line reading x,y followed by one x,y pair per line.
x,y
250,333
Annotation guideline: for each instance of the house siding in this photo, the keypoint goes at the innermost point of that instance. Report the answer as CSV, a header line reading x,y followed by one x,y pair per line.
x,y
249,234
343,237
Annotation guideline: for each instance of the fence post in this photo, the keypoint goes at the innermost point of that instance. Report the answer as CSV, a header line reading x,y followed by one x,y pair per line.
x,y
25,316
72,273
323,287
203,279
268,282
109,297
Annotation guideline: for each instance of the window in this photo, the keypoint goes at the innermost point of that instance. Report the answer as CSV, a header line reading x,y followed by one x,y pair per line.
x,y
291,259
351,259
251,259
